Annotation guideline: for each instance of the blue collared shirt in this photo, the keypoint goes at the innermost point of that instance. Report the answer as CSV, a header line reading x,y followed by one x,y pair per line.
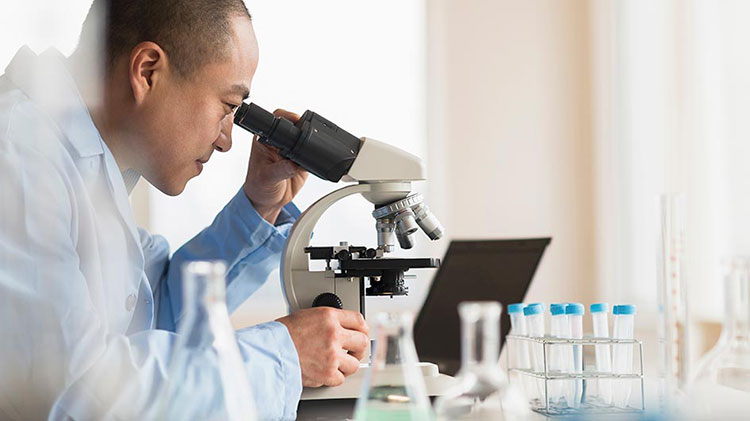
x,y
89,303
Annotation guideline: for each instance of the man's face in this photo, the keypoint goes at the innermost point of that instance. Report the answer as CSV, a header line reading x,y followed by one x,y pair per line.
x,y
185,120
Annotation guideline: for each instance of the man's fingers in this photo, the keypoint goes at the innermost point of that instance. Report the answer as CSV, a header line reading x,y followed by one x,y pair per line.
x,y
348,365
336,380
293,117
356,343
266,149
353,320
307,382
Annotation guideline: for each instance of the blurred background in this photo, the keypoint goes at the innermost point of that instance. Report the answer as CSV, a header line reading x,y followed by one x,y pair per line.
x,y
561,118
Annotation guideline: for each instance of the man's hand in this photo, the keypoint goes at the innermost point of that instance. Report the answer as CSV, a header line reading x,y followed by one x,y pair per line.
x,y
272,181
330,343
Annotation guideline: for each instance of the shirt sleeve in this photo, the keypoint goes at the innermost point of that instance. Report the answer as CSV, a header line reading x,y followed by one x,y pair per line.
x,y
249,245
252,249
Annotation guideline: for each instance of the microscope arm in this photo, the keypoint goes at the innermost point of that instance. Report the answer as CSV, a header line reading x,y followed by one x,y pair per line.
x,y
301,285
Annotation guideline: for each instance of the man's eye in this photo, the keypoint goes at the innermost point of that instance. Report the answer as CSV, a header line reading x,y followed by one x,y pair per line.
x,y
232,107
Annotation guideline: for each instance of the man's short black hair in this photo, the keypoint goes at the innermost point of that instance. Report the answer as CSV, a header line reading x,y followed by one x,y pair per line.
x,y
192,32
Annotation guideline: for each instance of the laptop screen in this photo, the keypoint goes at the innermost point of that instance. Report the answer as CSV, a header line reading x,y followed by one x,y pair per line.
x,y
482,270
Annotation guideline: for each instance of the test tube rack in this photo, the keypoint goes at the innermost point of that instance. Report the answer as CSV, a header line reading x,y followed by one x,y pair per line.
x,y
590,404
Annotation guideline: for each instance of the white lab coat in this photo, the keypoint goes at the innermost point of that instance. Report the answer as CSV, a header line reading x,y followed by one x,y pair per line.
x,y
77,278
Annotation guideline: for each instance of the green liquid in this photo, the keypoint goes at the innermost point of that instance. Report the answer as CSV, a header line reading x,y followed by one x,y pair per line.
x,y
395,414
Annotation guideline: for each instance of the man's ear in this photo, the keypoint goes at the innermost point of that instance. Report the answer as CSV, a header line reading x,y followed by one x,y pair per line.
x,y
148,65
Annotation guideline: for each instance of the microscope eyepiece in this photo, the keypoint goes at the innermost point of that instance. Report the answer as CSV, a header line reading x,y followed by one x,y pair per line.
x,y
272,130
313,142
255,119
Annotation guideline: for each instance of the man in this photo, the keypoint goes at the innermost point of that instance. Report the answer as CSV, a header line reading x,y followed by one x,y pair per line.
x,y
88,302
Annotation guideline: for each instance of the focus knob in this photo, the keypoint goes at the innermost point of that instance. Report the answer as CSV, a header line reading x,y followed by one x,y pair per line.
x,y
328,299
343,256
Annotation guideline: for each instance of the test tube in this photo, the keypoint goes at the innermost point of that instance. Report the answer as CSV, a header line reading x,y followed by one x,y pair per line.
x,y
517,323
599,312
519,349
559,328
534,315
518,328
622,354
574,312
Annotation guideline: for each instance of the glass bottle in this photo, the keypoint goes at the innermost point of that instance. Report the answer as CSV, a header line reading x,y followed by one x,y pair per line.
x,y
394,387
722,379
482,391
206,379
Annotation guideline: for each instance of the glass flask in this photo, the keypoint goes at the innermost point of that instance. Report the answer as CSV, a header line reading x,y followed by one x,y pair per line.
x,y
722,379
482,391
394,387
206,378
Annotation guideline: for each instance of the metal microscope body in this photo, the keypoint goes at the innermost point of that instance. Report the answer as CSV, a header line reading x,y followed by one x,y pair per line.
x,y
384,174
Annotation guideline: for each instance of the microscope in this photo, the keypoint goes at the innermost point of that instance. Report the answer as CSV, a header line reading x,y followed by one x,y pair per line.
x,y
383,176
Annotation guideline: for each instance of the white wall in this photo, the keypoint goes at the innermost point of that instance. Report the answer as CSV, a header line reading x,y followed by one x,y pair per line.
x,y
509,131
39,24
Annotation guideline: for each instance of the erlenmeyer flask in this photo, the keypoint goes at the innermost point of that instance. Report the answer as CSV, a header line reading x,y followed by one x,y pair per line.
x,y
394,386
482,391
722,379
207,379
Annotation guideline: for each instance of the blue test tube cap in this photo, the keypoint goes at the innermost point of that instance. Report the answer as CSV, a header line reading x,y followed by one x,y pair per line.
x,y
599,308
535,308
575,309
557,309
515,308
624,309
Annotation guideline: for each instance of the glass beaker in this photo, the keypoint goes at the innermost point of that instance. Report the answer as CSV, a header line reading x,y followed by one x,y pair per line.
x,y
394,387
722,379
206,378
482,391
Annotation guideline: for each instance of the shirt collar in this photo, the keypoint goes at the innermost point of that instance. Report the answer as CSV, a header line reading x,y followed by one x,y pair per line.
x,y
130,178
47,81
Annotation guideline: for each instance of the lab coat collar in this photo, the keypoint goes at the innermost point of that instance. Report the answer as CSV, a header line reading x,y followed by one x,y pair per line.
x,y
47,81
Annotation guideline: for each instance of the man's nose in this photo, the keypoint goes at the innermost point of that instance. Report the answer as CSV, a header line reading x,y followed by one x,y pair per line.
x,y
224,142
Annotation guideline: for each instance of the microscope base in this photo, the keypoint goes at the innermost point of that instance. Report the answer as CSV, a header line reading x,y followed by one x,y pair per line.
x,y
435,382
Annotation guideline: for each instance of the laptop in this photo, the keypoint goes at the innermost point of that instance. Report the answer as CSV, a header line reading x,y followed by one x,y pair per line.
x,y
473,270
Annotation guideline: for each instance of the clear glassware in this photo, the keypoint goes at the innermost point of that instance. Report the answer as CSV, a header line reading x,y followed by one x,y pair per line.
x,y
206,377
722,379
673,321
394,387
482,391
